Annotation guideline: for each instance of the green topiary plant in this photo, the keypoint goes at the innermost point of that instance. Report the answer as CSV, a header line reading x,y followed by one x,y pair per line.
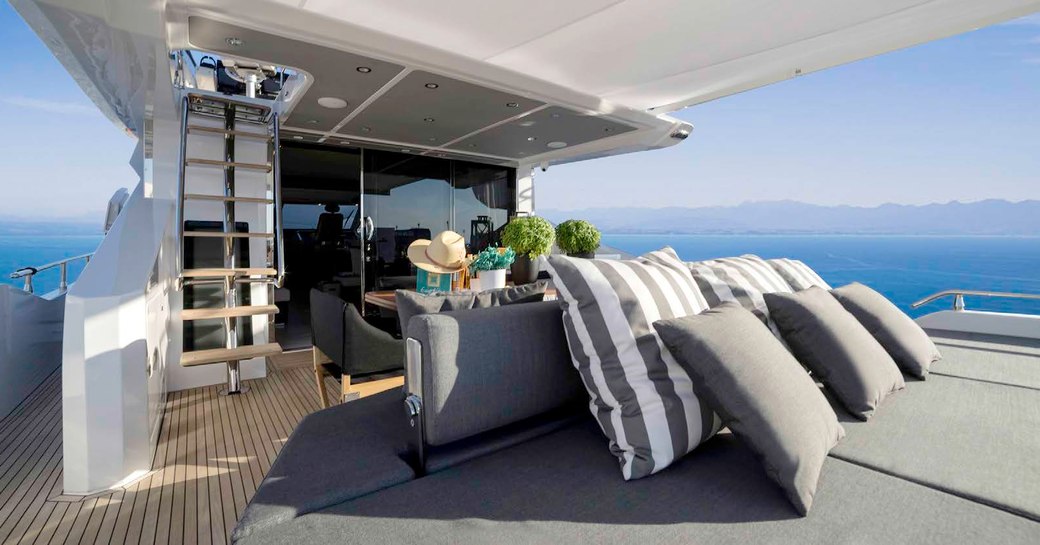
x,y
529,235
577,237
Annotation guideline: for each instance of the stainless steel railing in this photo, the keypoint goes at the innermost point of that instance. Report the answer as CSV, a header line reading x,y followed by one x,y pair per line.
x,y
958,297
27,273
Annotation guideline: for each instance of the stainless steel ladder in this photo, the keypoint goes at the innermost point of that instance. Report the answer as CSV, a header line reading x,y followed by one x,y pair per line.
x,y
231,275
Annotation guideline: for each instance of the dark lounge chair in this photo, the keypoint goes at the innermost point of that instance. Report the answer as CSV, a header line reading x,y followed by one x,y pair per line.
x,y
500,448
353,346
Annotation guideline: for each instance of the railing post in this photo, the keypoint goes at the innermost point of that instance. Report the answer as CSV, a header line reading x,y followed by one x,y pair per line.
x,y
28,287
182,161
958,302
63,284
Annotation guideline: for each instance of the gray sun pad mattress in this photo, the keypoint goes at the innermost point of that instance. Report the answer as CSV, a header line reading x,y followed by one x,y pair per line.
x,y
1007,360
971,438
332,456
565,488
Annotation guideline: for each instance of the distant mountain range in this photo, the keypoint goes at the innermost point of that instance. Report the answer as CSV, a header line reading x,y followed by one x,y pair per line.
x,y
989,217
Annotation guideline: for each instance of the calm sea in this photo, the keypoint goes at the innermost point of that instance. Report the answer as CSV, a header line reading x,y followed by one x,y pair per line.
x,y
903,268
17,251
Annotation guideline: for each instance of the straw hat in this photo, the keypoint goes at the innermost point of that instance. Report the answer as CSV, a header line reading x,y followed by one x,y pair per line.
x,y
446,253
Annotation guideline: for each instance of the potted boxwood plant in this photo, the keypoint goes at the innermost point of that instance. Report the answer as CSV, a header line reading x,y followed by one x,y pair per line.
x,y
577,238
488,268
529,237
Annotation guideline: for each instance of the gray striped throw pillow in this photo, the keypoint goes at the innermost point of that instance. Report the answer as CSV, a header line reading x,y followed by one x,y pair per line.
x,y
799,275
641,397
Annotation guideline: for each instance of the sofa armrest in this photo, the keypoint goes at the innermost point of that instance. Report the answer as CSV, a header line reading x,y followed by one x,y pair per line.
x,y
482,369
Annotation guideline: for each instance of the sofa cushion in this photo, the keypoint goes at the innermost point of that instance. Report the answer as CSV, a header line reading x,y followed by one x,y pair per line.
x,y
761,393
971,438
837,348
564,488
643,399
799,275
742,280
904,340
332,456
993,358
412,303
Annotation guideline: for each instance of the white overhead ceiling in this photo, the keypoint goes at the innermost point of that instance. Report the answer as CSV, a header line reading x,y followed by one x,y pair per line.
x,y
666,54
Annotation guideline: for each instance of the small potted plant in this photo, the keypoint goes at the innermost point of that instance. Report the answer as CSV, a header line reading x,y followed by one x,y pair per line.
x,y
529,237
577,238
488,268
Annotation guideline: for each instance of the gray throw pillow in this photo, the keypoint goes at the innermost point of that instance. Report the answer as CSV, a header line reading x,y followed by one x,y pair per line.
x,y
760,391
412,303
898,333
841,353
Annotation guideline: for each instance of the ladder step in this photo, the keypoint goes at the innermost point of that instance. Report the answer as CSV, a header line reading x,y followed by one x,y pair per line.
x,y
221,234
201,197
221,273
189,314
218,355
242,134
227,164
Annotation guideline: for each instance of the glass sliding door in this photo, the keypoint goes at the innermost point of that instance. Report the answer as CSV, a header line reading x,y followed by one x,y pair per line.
x,y
483,199
405,198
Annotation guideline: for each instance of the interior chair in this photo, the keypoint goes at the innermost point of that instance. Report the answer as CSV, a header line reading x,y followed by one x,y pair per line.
x,y
352,347
329,230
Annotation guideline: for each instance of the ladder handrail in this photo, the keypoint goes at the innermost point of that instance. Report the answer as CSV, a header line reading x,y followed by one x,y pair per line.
x,y
181,165
279,246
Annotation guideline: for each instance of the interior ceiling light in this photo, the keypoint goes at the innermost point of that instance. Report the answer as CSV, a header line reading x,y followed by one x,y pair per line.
x,y
364,69
526,123
531,139
512,105
431,86
406,150
366,129
429,119
432,139
297,137
472,145
554,115
345,142
233,41
312,121
556,145
332,103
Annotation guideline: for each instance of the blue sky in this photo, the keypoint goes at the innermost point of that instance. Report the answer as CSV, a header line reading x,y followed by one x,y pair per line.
x,y
954,119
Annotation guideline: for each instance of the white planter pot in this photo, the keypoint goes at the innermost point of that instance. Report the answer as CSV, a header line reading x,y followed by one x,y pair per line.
x,y
489,280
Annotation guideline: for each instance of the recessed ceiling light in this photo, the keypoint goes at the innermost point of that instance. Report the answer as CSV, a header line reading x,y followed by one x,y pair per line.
x,y
297,137
312,121
406,150
526,123
512,105
432,139
556,145
366,129
429,119
233,41
472,145
332,103
431,86
531,139
364,69
554,115
345,142
608,129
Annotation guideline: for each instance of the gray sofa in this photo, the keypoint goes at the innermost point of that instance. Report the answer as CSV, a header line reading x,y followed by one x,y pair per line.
x,y
503,450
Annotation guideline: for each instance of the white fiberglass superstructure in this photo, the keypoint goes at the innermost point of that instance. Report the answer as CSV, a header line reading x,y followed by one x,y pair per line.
x,y
521,86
